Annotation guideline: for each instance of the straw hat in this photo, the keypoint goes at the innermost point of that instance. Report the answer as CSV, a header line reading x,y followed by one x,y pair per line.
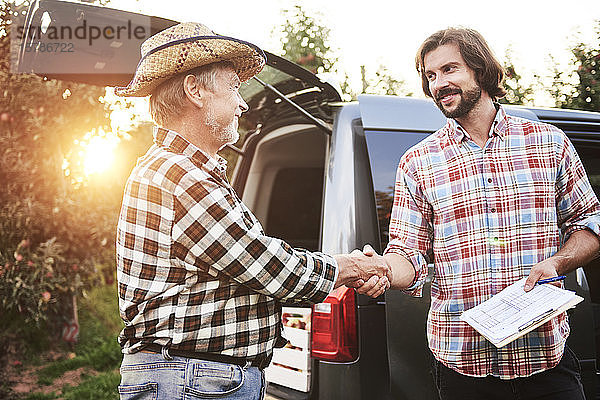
x,y
186,46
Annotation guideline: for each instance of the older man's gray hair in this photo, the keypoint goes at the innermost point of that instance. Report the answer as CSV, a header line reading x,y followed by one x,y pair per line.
x,y
168,99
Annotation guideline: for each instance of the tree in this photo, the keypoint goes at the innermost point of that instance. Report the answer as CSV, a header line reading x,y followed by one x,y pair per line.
x,y
585,93
384,82
516,92
57,226
559,89
306,41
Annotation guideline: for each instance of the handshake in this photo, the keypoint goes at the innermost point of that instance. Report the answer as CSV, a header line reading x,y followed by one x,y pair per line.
x,y
366,271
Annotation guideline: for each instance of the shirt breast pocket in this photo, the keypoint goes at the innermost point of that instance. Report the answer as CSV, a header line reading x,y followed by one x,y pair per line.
x,y
530,198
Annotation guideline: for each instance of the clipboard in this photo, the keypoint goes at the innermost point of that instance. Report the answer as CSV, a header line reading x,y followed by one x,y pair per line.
x,y
513,312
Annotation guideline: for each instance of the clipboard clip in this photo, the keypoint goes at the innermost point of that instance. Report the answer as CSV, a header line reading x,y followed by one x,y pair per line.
x,y
536,320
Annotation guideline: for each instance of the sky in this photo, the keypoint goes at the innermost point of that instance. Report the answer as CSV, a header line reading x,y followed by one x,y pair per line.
x,y
378,32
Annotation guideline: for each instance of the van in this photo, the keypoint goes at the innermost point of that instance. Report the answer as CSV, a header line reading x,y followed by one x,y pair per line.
x,y
319,173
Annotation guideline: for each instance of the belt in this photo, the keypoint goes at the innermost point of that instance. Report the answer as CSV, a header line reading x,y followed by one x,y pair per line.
x,y
260,361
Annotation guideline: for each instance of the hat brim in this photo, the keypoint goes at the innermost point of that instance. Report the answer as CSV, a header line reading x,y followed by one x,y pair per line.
x,y
183,55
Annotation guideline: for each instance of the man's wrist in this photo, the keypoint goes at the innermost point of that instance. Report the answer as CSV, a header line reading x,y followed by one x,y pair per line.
x,y
347,271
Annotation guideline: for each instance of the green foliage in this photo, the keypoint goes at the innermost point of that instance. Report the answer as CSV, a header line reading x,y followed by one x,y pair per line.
x,y
585,93
97,350
39,285
99,317
38,206
559,90
382,82
516,91
57,225
386,83
306,41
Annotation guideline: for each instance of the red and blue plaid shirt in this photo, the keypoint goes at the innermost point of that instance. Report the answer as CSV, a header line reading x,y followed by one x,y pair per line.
x,y
483,217
195,269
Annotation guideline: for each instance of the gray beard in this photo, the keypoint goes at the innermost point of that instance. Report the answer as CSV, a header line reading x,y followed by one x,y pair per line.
x,y
228,135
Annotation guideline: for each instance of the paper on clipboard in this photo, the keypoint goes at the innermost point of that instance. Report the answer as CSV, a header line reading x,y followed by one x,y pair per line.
x,y
513,312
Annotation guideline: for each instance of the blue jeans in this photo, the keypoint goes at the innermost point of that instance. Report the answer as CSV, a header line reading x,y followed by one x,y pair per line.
x,y
151,376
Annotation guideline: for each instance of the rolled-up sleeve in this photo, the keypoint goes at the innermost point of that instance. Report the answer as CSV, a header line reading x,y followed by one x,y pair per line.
x,y
576,203
215,233
411,233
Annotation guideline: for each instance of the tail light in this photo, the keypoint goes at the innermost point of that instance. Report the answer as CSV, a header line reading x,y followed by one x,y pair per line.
x,y
334,335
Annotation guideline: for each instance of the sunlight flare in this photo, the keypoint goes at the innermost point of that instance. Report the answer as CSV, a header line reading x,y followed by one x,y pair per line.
x,y
98,151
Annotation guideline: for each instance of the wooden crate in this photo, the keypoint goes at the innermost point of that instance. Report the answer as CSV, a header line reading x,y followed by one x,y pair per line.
x,y
291,366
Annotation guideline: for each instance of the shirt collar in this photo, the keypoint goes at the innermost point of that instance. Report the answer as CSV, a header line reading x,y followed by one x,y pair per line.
x,y
499,126
176,143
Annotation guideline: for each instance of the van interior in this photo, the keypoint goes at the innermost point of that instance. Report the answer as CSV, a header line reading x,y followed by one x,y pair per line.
x,y
284,188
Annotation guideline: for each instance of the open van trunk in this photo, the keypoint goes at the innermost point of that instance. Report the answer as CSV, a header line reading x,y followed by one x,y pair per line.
x,y
284,185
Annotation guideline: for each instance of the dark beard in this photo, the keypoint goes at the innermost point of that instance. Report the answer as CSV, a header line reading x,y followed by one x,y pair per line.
x,y
468,99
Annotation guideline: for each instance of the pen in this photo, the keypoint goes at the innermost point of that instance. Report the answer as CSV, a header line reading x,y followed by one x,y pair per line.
x,y
553,279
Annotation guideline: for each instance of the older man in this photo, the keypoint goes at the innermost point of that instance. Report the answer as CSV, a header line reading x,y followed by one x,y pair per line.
x,y
200,284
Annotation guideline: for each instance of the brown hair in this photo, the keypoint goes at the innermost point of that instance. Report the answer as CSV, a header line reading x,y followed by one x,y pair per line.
x,y
476,53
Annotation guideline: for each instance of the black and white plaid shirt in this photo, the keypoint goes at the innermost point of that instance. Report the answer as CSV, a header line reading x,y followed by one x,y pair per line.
x,y
195,268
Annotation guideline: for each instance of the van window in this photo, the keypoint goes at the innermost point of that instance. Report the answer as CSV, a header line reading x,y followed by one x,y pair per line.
x,y
385,150
295,207
588,152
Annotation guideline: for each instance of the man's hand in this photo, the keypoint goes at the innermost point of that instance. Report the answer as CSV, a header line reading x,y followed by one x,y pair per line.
x,y
543,270
369,273
582,247
376,285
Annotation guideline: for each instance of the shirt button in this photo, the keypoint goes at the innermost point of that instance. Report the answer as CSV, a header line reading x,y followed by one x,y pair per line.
x,y
493,210
489,180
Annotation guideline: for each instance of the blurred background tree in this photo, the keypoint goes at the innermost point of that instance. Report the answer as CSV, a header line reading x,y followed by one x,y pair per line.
x,y
516,91
305,41
383,82
57,214
580,88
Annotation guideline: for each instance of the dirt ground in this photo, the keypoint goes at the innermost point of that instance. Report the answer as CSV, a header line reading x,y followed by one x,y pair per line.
x,y
25,380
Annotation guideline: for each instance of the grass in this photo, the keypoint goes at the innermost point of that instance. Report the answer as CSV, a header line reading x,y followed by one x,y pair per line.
x,y
101,387
97,349
41,396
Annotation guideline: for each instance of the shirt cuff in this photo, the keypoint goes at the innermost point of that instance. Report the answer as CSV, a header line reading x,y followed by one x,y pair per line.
x,y
417,261
591,222
335,275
